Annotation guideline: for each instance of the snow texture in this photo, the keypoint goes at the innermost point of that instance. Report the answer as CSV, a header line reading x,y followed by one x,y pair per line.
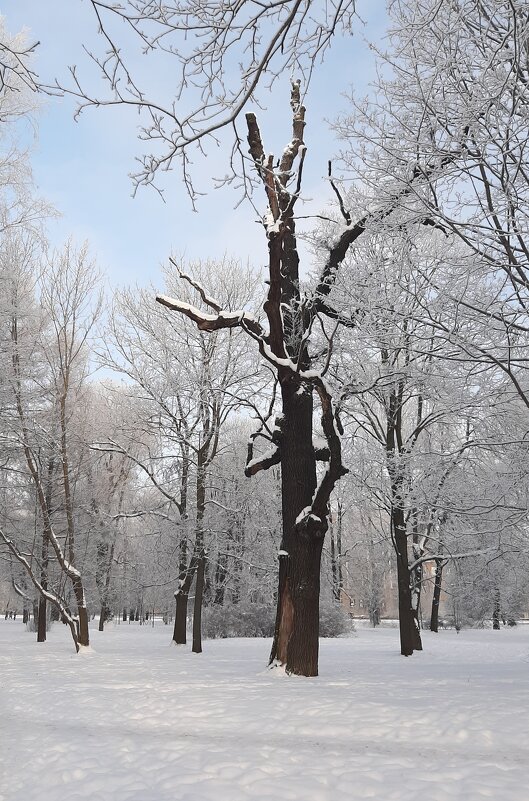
x,y
137,720
268,454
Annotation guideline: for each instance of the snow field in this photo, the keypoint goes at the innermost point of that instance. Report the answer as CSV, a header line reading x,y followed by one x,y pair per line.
x,y
136,719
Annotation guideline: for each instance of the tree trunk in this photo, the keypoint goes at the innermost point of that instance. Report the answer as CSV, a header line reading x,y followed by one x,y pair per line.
x,y
181,599
496,612
434,618
42,619
104,615
335,566
221,575
197,609
410,638
296,634
180,618
416,574
42,622
82,613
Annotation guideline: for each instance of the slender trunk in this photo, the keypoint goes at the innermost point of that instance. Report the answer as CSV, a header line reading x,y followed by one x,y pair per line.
x,y
416,574
105,589
42,622
334,566
339,549
237,564
295,643
77,584
44,556
197,610
374,586
438,582
199,549
496,612
221,574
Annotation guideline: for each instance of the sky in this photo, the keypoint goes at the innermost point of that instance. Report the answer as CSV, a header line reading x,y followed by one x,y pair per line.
x,y
82,167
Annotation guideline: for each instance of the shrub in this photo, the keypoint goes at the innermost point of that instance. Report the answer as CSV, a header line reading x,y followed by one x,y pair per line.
x,y
334,620
248,619
245,619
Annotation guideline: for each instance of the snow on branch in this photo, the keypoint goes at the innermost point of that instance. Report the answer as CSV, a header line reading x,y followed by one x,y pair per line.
x,y
213,322
262,462
353,229
208,300
46,593
450,557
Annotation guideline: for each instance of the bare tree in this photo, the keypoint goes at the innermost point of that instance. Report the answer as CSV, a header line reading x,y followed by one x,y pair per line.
x,y
187,384
453,92
220,54
285,346
42,415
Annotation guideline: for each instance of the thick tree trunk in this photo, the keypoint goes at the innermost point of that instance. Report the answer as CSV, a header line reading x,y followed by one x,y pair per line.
x,y
410,638
438,582
82,613
180,618
181,596
296,634
42,619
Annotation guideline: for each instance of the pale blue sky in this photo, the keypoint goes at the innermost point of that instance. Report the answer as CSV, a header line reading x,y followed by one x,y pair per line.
x,y
82,167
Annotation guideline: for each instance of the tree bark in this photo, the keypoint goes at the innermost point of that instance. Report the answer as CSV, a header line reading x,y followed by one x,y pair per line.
x,y
197,608
410,638
296,634
336,555
438,581
180,620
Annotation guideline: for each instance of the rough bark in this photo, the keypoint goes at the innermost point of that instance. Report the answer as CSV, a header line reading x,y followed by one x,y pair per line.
x,y
295,642
180,621
305,505
410,638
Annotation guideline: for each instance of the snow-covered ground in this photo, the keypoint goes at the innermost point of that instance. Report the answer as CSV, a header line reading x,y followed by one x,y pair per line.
x,y
138,720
